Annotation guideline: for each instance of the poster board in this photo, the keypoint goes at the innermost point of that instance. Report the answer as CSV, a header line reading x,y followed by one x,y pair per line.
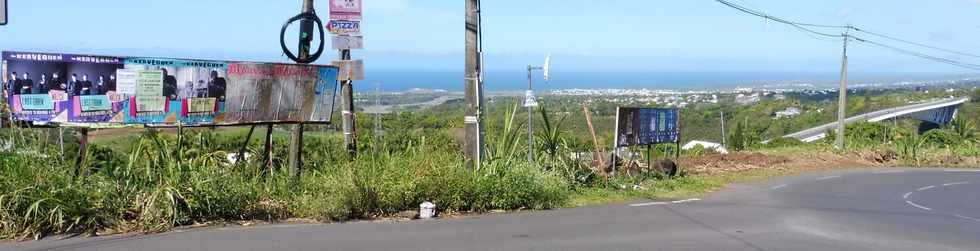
x,y
106,91
646,126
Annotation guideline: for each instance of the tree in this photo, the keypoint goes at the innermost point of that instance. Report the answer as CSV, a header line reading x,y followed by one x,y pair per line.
x,y
737,140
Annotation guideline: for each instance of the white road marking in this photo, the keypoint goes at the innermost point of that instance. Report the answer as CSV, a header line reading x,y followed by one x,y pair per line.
x,y
962,171
907,195
778,187
829,177
918,206
649,204
925,188
663,202
888,172
967,218
685,201
956,183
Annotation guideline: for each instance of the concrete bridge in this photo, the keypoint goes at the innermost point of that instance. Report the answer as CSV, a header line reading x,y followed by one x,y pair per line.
x,y
939,112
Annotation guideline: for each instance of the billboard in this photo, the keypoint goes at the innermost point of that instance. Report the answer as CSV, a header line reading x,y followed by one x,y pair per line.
x,y
105,91
287,93
646,126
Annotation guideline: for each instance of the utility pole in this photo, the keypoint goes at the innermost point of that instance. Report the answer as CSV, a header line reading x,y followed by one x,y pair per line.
x,y
296,141
723,140
377,114
842,99
347,104
473,146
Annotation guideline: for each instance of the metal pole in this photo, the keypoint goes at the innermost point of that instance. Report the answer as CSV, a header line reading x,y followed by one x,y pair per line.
x,y
842,99
473,146
530,117
296,139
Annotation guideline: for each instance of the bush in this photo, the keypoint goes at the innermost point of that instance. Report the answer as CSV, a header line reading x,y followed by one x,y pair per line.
x,y
869,134
942,138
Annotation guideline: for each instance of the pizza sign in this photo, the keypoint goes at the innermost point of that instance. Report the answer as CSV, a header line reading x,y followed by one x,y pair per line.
x,y
345,10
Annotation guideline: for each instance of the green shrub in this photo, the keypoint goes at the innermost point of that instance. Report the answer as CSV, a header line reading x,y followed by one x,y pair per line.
x,y
942,138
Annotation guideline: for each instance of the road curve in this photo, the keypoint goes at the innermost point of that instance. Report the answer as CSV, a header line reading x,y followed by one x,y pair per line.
x,y
872,209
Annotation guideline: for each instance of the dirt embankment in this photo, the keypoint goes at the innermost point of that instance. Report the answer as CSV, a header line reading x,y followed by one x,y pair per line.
x,y
740,162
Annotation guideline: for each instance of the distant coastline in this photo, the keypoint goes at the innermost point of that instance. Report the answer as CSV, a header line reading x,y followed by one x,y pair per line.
x,y
507,81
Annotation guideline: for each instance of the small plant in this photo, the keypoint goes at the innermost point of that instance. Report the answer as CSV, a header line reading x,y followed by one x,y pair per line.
x,y
965,128
909,146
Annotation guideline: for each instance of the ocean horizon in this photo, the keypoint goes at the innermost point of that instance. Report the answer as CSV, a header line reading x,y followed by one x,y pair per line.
x,y
392,80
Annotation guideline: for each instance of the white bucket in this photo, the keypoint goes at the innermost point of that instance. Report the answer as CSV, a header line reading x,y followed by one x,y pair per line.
x,y
427,210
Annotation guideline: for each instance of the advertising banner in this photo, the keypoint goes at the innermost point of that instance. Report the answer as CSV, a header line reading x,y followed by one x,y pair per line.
x,y
102,91
61,88
171,91
646,126
280,92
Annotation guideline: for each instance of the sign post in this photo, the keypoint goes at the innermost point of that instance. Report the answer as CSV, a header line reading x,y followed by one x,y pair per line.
x,y
345,25
646,127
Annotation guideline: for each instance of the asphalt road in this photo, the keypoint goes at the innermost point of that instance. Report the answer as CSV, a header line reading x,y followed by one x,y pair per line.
x,y
893,209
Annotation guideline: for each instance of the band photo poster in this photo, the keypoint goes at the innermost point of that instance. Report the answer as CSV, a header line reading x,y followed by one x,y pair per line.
x,y
646,126
104,91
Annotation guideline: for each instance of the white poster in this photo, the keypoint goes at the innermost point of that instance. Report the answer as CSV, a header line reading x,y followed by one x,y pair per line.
x,y
126,81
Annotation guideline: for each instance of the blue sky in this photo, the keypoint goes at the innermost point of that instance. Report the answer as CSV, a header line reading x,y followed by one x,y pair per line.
x,y
607,35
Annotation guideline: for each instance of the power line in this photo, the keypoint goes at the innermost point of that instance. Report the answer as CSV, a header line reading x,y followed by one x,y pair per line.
x,y
920,55
914,43
802,26
798,25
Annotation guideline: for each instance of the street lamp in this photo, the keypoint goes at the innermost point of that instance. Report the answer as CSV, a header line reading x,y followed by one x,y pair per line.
x,y
530,102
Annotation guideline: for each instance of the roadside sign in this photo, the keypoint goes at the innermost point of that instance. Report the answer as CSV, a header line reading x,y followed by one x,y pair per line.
x,y
348,42
3,12
350,70
344,27
345,10
529,100
646,126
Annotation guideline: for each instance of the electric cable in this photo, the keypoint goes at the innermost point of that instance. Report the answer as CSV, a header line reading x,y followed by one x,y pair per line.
x,y
802,26
915,43
920,55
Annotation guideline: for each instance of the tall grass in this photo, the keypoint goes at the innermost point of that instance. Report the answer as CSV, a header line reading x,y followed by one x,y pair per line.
x,y
158,181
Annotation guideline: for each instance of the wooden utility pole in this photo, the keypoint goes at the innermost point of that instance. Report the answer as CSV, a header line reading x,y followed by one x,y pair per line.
x,y
473,146
347,104
842,99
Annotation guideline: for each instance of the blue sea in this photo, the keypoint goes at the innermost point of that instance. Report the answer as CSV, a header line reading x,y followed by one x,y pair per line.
x,y
499,80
